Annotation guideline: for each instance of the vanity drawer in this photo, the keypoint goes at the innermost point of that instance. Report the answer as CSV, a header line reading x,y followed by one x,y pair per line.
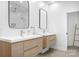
x,y
49,40
31,43
33,47
51,37
5,50
17,49
32,51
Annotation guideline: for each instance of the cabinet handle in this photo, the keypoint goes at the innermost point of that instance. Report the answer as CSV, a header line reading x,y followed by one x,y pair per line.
x,y
31,48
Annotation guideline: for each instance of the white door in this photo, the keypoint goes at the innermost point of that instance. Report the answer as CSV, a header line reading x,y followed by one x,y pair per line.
x,y
72,19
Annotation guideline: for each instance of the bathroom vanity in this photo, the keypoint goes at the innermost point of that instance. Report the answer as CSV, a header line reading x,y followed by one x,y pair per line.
x,y
31,40
25,47
49,40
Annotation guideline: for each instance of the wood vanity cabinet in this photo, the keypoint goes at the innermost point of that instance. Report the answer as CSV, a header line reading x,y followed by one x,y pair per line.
x,y
49,41
26,48
32,47
5,50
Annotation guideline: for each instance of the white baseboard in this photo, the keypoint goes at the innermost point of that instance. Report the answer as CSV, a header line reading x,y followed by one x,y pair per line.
x,y
59,48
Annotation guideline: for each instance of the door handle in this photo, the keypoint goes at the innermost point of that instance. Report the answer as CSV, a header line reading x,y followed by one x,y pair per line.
x,y
66,33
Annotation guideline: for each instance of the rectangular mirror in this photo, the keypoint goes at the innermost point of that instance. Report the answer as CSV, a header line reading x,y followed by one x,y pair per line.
x,y
18,14
42,18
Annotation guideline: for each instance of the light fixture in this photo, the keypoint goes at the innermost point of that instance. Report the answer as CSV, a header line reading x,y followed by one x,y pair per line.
x,y
48,3
10,6
21,1
42,4
54,5
33,1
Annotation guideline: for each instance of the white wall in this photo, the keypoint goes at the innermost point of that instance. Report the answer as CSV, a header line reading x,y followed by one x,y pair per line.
x,y
4,28
58,18
34,14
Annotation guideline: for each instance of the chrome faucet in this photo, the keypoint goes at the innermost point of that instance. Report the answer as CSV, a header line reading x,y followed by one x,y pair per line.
x,y
33,30
21,33
43,30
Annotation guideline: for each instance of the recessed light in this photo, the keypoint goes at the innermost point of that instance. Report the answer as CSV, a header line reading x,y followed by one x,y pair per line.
x,y
42,4
55,5
48,2
21,1
33,1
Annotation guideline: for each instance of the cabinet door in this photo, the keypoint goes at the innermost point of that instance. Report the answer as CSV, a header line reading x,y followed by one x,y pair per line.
x,y
5,50
0,48
17,49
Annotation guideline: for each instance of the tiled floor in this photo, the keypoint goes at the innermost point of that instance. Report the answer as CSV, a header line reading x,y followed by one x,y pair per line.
x,y
72,52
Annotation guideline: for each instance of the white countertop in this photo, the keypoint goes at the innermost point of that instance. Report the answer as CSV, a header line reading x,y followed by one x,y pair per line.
x,y
19,38
47,34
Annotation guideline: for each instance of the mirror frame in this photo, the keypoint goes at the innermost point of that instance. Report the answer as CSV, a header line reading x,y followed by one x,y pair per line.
x,y
9,16
41,9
